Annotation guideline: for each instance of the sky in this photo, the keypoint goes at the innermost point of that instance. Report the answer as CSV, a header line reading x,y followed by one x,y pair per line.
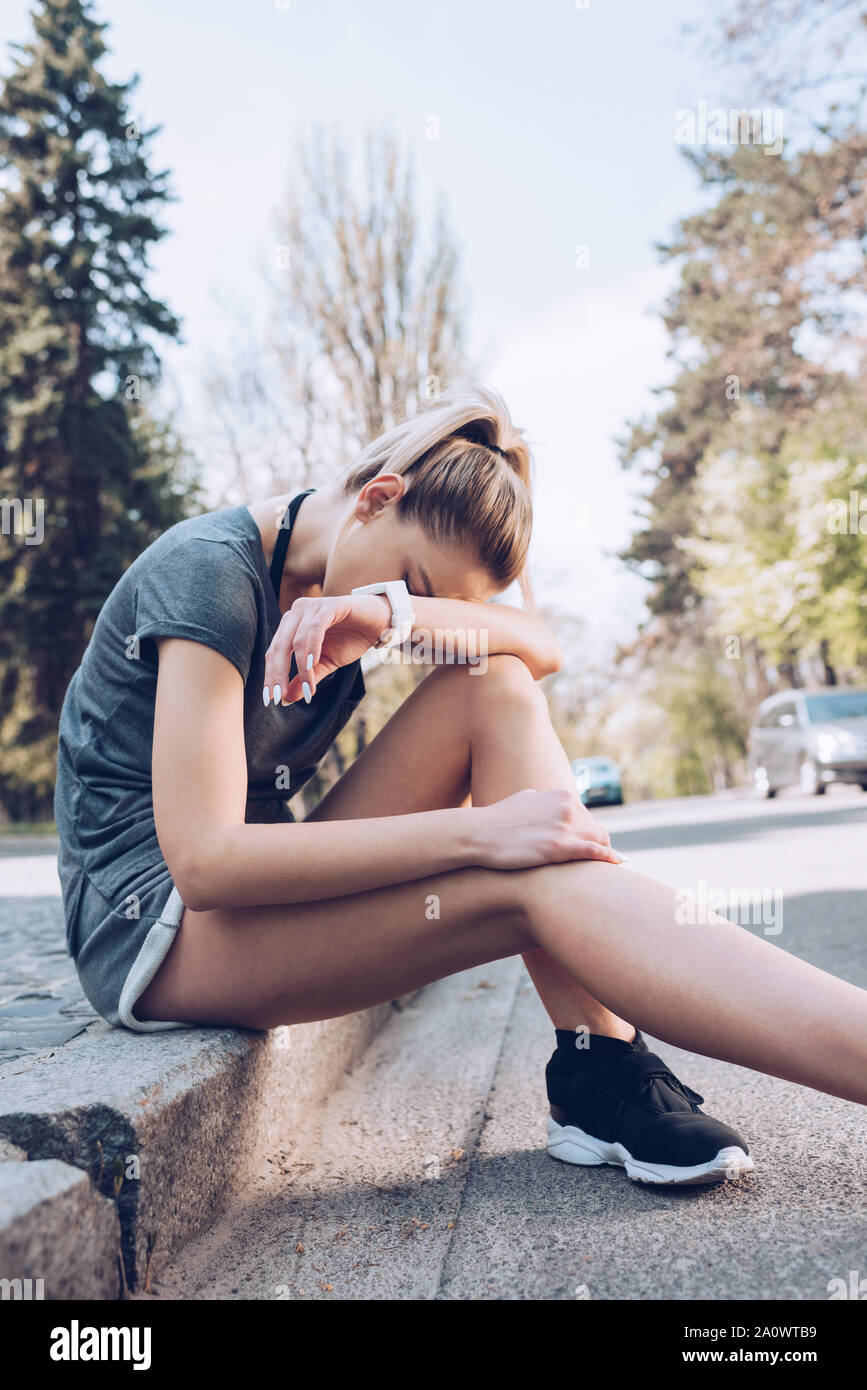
x,y
556,130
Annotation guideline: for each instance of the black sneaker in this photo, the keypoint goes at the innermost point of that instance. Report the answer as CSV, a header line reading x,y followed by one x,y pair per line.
x,y
616,1102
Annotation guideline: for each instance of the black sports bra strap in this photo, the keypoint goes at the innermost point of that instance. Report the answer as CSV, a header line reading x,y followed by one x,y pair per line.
x,y
278,559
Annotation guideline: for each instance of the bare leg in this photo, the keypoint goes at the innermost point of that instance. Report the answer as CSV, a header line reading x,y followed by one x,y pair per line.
x,y
714,989
479,738
519,749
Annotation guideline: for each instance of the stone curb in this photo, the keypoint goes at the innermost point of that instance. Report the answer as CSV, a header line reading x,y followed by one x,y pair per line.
x,y
58,1237
164,1125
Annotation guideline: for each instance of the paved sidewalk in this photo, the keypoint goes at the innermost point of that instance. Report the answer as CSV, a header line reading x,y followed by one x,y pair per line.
x,y
42,1004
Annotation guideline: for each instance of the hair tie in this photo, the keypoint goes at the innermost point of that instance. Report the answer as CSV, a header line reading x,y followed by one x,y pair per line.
x,y
483,444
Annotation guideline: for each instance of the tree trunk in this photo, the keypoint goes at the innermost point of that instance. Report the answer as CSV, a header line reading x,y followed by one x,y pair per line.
x,y
824,653
760,669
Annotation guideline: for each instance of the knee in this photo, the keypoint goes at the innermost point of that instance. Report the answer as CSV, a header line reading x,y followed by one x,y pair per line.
x,y
586,885
506,678
509,671
497,684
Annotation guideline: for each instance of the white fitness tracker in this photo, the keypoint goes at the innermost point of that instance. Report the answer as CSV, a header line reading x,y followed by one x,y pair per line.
x,y
402,615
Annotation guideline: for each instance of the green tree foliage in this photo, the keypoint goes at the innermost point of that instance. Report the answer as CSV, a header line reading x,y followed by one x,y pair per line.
x,y
762,321
765,423
77,372
754,534
784,559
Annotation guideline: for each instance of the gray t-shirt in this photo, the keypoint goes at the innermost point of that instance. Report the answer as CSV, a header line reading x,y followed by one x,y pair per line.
x,y
204,579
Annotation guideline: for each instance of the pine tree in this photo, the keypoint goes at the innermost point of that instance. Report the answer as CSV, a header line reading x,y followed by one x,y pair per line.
x,y
78,441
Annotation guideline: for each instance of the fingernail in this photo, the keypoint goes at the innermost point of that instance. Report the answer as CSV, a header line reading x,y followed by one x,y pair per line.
x,y
310,662
277,694
266,695
306,688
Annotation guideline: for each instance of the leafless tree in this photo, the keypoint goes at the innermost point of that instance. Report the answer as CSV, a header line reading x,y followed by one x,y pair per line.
x,y
808,55
366,317
366,323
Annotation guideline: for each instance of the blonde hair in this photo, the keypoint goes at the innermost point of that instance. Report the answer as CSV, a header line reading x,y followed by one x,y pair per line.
x,y
469,474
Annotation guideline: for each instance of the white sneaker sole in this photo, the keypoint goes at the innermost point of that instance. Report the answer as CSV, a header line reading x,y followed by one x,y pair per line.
x,y
571,1145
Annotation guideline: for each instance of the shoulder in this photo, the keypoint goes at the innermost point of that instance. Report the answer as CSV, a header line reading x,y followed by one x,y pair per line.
x,y
227,536
202,581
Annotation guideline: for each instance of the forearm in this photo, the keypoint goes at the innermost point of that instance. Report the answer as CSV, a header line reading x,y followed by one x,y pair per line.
x,y
490,629
250,865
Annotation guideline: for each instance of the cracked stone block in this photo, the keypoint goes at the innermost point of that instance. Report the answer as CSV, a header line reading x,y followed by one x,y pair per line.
x,y
59,1239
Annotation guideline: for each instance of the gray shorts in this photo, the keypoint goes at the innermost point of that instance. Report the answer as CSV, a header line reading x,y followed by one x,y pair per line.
x,y
117,954
116,957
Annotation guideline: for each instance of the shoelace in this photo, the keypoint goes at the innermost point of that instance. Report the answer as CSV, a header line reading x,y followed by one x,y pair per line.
x,y
692,1096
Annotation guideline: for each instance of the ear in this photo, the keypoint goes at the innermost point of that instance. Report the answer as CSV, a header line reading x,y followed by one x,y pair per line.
x,y
383,491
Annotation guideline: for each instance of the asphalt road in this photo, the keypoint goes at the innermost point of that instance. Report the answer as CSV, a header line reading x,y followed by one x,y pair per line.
x,y
425,1175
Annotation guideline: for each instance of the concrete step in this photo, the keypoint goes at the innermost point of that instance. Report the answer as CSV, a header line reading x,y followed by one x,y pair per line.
x,y
58,1237
362,1203
164,1125
425,1176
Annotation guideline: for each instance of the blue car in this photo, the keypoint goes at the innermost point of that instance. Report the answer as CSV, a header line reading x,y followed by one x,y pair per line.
x,y
599,781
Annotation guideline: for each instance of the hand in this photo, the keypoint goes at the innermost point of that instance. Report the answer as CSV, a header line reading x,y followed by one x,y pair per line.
x,y
590,826
324,634
533,828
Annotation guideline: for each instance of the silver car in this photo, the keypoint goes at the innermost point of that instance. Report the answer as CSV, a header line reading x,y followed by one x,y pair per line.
x,y
810,738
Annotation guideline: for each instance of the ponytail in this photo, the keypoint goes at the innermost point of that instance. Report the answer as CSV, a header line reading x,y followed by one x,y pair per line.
x,y
469,478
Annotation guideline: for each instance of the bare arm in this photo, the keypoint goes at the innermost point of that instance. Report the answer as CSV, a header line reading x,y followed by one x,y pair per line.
x,y
337,630
199,774
501,628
